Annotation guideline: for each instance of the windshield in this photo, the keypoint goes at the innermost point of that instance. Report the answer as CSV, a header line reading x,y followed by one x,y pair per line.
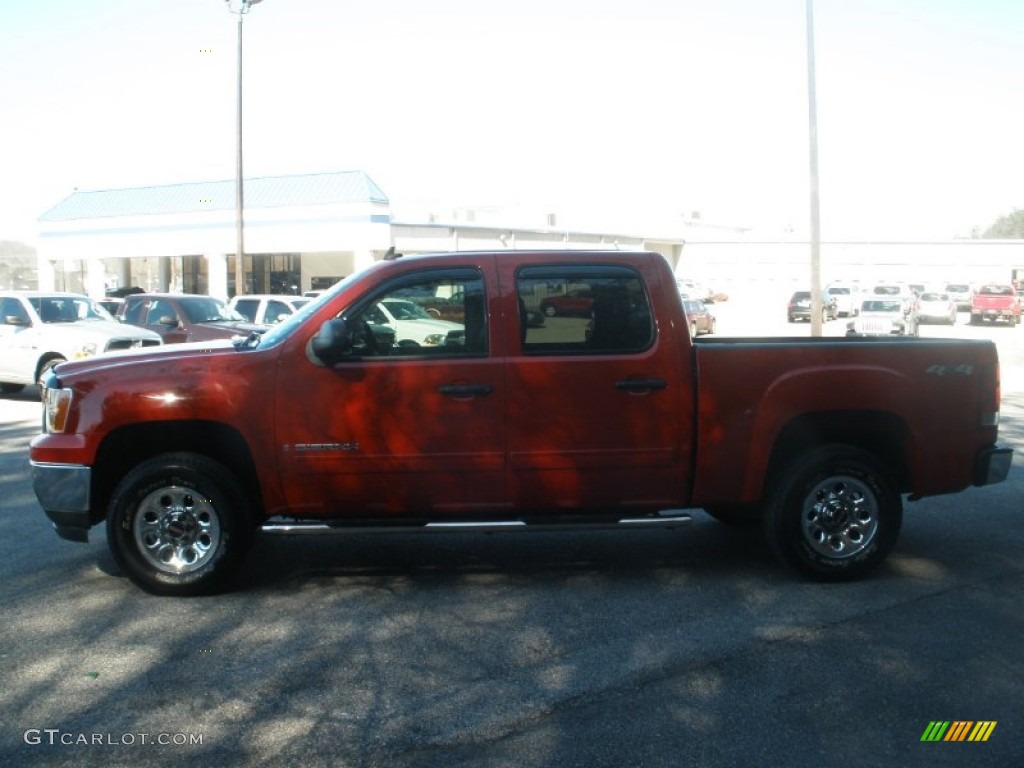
x,y
206,309
996,290
882,306
67,309
406,310
282,330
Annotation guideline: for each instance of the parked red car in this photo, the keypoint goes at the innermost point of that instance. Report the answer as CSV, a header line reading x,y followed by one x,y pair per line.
x,y
699,317
185,317
993,302
577,303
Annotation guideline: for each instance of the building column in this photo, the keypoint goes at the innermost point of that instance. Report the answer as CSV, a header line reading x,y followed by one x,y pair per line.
x,y
46,275
361,259
95,278
217,275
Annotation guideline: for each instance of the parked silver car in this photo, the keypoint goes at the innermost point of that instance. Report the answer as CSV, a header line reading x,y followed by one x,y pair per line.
x,y
936,307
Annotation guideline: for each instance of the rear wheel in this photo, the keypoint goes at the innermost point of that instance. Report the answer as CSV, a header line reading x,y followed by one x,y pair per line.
x,y
178,524
835,514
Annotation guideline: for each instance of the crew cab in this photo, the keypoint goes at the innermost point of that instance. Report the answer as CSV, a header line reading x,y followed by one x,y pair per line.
x,y
993,302
616,418
39,329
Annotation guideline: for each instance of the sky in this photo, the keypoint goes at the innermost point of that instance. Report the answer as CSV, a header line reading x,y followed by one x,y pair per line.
x,y
671,106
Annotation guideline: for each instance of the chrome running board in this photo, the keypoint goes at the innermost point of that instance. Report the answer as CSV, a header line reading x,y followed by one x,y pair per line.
x,y
664,520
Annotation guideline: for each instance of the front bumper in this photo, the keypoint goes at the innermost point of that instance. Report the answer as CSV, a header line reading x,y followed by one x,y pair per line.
x,y
63,492
992,464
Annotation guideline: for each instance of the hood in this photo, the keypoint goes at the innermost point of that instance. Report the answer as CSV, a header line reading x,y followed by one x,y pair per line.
x,y
161,354
101,330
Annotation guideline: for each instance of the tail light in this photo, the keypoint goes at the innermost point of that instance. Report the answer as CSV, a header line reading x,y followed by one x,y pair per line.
x,y
990,395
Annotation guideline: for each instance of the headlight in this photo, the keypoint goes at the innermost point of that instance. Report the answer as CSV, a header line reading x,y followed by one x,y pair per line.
x,y
56,407
86,350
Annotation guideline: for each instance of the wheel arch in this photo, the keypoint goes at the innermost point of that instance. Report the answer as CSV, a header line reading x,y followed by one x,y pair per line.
x,y
128,446
45,359
883,435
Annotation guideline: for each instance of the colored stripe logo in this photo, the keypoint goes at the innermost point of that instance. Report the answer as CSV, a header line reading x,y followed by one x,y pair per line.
x,y
959,730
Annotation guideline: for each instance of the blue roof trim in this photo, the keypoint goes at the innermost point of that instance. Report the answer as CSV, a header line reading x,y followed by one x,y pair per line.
x,y
372,219
204,196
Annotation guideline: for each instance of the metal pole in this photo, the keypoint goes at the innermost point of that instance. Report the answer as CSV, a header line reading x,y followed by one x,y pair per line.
x,y
812,103
239,193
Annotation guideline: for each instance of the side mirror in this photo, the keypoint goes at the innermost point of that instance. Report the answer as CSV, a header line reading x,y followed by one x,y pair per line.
x,y
333,342
16,320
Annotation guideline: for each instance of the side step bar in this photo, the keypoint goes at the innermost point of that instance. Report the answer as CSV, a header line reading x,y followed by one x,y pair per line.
x,y
665,520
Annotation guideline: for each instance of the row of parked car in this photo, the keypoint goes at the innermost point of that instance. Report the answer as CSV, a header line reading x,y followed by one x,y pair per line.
x,y
900,308
38,329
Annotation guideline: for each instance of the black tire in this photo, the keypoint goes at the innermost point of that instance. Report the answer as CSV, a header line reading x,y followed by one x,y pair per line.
x,y
834,514
178,524
45,369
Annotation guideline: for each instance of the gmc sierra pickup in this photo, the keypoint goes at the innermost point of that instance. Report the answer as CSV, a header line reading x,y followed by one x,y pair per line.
x,y
514,419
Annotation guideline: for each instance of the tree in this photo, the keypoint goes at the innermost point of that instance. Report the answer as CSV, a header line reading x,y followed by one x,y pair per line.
x,y
1010,226
17,265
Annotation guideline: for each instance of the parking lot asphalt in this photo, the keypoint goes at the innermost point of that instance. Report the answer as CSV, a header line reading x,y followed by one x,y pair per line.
x,y
681,648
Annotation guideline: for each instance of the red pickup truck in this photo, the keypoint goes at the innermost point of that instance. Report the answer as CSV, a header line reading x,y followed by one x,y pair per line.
x,y
992,302
617,417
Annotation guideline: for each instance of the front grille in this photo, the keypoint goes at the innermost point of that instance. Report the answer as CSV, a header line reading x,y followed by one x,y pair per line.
x,y
116,344
876,326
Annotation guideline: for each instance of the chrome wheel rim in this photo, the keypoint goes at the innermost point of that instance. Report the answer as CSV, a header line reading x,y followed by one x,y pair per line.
x,y
176,530
839,517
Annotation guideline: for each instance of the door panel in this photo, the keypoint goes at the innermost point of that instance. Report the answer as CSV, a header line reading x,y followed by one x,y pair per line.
x,y
594,403
401,430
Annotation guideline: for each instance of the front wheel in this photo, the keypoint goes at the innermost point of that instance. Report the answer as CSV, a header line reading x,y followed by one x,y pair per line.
x,y
835,514
178,524
45,369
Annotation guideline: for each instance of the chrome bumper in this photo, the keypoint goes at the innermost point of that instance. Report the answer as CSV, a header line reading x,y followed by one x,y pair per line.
x,y
63,492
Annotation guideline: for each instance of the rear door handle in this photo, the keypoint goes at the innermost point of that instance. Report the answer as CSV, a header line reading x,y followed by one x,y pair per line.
x,y
465,390
641,385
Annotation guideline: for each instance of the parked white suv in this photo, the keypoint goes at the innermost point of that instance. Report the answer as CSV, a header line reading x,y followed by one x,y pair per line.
x,y
39,330
413,325
267,308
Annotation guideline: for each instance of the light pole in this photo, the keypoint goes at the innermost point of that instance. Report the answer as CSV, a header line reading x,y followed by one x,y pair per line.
x,y
239,8
812,112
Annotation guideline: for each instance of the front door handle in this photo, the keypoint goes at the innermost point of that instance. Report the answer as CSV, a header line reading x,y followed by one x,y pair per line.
x,y
641,385
465,390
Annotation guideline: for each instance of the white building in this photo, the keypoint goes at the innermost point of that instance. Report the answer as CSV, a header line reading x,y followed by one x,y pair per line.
x,y
307,231
301,233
